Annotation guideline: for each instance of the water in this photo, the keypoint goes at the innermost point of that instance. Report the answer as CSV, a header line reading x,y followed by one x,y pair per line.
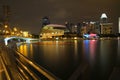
x,y
94,59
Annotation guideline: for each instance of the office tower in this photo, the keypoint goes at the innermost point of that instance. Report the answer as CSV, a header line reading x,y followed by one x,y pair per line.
x,y
45,21
105,26
119,25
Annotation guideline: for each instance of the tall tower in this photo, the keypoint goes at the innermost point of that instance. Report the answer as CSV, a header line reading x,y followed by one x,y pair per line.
x,y
45,21
6,14
119,25
105,27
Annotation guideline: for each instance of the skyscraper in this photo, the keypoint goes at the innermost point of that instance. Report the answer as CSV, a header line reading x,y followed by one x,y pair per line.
x,y
6,14
119,25
105,26
45,21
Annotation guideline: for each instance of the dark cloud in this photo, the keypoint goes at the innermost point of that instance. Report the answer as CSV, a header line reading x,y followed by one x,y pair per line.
x,y
28,13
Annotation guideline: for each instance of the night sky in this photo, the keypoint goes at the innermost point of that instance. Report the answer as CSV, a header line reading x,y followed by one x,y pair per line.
x,y
27,14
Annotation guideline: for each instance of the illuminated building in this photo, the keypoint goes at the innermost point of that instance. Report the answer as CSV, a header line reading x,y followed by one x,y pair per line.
x,y
106,28
1,26
74,28
91,27
83,30
119,25
45,21
103,18
25,34
88,27
52,31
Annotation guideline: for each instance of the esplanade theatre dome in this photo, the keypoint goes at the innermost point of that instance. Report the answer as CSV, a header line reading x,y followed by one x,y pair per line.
x,y
52,31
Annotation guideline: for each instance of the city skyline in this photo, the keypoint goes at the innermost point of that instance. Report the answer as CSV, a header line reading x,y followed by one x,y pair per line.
x,y
28,14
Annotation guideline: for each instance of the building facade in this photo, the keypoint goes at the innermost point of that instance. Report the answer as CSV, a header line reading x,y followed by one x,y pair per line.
x,y
119,25
52,31
106,28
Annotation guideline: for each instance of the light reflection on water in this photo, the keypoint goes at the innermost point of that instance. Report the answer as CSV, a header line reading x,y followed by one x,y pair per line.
x,y
90,50
63,57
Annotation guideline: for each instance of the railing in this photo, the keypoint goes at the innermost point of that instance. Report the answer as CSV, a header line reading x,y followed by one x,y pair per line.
x,y
5,69
42,71
26,73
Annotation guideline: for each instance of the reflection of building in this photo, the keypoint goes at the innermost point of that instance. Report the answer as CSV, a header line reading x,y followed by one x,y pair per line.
x,y
52,31
106,28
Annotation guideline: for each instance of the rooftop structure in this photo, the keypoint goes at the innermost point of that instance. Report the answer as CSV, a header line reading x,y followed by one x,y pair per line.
x,y
103,16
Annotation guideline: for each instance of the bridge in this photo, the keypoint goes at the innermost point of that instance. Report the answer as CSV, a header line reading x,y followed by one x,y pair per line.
x,y
13,65
24,39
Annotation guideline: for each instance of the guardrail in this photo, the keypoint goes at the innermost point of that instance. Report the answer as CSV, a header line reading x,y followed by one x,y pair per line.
x,y
44,74
31,73
7,66
5,69
48,75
